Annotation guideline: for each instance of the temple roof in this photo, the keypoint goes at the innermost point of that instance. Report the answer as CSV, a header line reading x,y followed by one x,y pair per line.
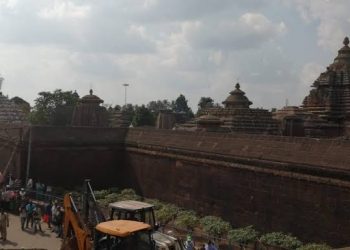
x,y
10,112
91,98
344,53
237,99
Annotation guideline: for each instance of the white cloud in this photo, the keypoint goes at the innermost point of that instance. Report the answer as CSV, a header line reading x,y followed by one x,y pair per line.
x,y
249,31
64,9
333,19
161,47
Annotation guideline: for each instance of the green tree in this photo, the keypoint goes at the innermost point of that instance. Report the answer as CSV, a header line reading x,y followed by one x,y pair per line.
x,y
180,106
205,102
156,106
142,117
54,108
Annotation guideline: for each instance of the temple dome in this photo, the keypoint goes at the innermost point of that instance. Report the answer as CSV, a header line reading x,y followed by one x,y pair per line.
x,y
237,99
91,98
89,113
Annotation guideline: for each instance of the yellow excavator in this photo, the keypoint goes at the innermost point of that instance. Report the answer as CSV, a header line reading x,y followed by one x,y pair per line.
x,y
107,235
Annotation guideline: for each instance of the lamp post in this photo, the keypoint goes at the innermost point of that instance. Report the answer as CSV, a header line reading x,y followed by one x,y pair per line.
x,y
125,86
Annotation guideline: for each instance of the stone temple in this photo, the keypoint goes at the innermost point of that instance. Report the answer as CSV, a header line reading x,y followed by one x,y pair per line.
x,y
237,116
329,100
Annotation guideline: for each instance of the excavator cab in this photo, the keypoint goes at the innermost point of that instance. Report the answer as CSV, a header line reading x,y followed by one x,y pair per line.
x,y
123,235
143,212
133,210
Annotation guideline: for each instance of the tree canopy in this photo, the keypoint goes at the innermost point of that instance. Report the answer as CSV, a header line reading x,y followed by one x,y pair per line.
x,y
54,108
180,106
205,102
142,117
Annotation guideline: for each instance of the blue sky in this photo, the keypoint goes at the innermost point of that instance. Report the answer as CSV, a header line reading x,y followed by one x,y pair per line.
x,y
163,48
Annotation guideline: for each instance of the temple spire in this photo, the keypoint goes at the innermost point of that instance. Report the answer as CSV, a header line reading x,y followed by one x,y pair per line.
x,y
346,41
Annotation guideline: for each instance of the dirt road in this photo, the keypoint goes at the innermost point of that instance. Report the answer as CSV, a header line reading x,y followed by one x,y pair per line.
x,y
27,239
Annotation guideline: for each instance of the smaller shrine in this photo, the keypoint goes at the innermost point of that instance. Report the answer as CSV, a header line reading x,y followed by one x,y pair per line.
x,y
89,113
235,116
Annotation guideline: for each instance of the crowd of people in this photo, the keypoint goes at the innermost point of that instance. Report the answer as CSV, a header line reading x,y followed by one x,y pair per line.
x,y
190,245
31,215
34,206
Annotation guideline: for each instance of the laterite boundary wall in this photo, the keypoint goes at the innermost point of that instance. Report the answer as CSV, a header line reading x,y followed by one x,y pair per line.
x,y
65,156
296,185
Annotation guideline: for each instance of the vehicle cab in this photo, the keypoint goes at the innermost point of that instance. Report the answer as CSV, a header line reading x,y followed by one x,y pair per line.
x,y
123,235
133,210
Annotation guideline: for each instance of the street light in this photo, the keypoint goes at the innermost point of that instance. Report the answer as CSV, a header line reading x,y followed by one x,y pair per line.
x,y
125,85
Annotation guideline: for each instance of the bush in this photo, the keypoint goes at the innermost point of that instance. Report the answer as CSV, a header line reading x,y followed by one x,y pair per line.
x,y
101,194
167,213
243,236
187,219
314,246
281,240
156,203
128,194
215,226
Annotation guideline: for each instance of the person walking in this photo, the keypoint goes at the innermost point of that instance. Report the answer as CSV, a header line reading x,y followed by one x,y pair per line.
x,y
59,220
210,246
48,214
30,207
189,245
4,224
37,219
53,216
23,215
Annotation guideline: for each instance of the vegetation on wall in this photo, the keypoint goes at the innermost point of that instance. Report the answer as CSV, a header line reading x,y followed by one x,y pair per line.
x,y
213,226
280,239
243,236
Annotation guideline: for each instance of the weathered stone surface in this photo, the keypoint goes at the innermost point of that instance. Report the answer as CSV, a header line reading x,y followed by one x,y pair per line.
x,y
10,113
89,113
297,185
237,116
329,99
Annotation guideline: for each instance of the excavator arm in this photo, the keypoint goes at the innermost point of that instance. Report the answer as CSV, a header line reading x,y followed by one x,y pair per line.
x,y
74,230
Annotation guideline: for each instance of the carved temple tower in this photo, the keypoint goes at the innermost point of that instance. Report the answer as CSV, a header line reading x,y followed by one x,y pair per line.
x,y
329,100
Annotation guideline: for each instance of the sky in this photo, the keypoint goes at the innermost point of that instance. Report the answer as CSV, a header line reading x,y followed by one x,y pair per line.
x,y
164,48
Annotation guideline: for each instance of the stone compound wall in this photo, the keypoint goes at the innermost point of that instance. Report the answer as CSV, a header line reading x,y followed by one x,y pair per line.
x,y
65,156
11,145
295,185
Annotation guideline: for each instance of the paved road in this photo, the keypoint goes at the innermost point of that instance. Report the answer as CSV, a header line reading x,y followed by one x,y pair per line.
x,y
18,239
